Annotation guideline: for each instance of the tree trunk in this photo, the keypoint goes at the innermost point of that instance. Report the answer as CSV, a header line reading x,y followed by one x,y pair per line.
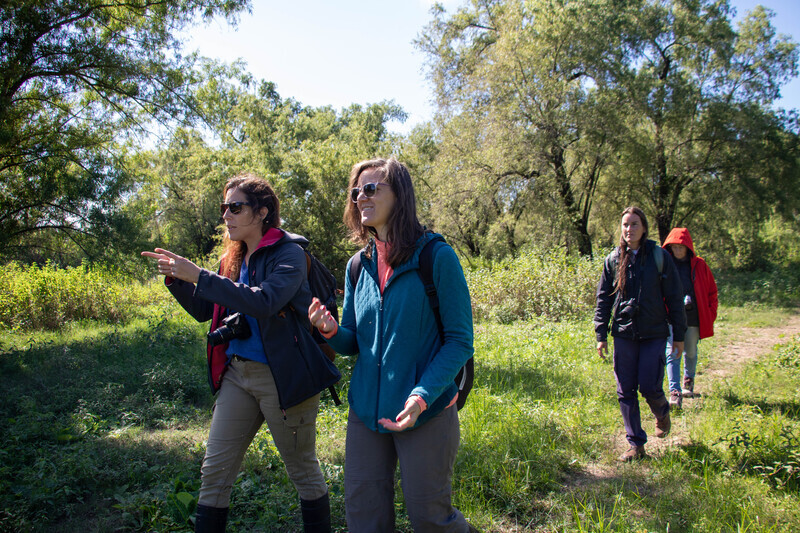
x,y
577,222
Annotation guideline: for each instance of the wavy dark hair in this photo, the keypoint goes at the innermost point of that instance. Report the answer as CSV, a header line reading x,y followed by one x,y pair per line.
x,y
404,227
259,194
624,252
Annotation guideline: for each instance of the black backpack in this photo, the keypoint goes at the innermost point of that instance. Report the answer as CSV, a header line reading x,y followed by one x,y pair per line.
x,y
466,375
323,286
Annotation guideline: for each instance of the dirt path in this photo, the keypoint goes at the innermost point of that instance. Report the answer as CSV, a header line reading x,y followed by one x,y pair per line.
x,y
749,344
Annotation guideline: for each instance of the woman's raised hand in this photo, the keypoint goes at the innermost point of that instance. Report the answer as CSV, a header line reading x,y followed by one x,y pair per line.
x,y
174,266
321,318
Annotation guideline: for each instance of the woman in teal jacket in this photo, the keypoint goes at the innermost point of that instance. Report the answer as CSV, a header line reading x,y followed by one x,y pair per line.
x,y
402,394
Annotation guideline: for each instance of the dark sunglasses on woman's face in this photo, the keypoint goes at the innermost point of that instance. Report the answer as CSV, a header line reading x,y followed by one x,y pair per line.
x,y
235,207
369,191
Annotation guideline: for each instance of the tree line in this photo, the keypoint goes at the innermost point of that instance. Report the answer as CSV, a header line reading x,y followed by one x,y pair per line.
x,y
551,116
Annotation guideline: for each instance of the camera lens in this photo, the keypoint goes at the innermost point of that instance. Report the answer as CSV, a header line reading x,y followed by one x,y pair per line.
x,y
220,336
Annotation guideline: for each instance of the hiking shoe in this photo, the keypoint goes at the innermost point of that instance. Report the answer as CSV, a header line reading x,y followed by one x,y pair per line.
x,y
634,453
688,387
662,426
676,399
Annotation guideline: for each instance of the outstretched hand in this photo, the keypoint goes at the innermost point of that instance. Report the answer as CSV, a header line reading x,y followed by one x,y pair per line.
x,y
406,419
321,318
174,266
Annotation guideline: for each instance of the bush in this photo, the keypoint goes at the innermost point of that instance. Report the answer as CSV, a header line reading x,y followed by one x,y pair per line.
x,y
47,297
775,285
550,284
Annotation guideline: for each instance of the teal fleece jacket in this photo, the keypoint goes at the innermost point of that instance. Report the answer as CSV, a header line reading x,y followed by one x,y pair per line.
x,y
396,338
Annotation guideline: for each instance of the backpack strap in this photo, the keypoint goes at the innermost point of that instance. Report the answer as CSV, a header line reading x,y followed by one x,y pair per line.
x,y
659,257
466,375
355,267
426,275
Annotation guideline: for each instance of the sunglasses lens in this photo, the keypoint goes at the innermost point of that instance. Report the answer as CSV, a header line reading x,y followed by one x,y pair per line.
x,y
235,207
368,189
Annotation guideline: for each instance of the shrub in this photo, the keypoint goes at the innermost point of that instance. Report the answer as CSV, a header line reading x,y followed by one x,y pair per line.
x,y
549,284
775,285
47,297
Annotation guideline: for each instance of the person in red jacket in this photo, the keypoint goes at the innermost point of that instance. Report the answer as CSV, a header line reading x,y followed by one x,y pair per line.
x,y
700,301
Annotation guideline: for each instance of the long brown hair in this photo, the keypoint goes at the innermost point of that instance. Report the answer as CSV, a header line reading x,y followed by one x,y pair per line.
x,y
259,194
624,253
403,226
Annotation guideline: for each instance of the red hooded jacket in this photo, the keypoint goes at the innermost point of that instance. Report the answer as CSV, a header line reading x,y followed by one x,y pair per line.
x,y
705,287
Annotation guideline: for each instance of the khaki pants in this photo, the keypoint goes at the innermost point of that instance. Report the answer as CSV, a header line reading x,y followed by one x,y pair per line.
x,y
247,398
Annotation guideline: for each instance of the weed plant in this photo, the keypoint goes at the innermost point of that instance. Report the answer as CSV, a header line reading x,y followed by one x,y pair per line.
x,y
536,283
47,297
777,286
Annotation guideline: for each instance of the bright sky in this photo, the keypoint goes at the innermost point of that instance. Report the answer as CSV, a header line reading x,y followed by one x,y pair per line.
x,y
339,52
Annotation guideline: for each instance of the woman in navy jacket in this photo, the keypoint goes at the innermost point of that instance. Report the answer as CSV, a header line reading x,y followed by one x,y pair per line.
x,y
402,392
645,299
273,371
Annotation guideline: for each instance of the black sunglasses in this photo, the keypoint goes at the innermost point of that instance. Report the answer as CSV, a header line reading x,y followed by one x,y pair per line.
x,y
235,207
369,191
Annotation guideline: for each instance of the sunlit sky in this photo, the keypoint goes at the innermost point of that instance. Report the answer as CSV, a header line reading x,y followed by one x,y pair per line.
x,y
325,52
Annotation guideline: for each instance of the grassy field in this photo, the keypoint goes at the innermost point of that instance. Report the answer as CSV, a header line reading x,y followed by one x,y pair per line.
x,y
103,427
103,424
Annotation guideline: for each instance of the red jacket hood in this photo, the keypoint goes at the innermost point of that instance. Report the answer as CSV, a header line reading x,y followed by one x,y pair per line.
x,y
679,236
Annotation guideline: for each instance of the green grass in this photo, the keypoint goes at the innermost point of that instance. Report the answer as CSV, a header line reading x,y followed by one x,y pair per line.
x,y
103,429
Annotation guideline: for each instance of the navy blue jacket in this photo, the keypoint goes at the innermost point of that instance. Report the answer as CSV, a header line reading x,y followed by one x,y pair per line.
x,y
657,298
278,297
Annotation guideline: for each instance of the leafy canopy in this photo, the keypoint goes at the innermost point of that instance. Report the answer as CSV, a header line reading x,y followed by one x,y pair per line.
x,y
76,79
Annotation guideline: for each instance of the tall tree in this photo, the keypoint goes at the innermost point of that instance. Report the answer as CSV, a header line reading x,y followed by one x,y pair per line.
x,y
76,78
698,93
306,153
520,111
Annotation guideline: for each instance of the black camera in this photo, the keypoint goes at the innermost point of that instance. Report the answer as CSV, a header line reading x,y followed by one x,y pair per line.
x,y
688,303
233,326
628,308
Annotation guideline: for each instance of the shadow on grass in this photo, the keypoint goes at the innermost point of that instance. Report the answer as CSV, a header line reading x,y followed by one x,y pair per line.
x,y
533,381
66,418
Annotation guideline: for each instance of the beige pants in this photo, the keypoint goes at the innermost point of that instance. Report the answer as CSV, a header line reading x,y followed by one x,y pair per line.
x,y
247,398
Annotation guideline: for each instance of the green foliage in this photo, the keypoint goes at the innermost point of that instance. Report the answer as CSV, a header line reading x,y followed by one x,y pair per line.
x,y
752,427
548,284
523,137
77,79
80,418
305,153
777,286
47,297
659,104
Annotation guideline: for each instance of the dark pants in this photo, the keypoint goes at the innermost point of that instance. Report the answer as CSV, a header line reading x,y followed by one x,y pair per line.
x,y
426,455
639,367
